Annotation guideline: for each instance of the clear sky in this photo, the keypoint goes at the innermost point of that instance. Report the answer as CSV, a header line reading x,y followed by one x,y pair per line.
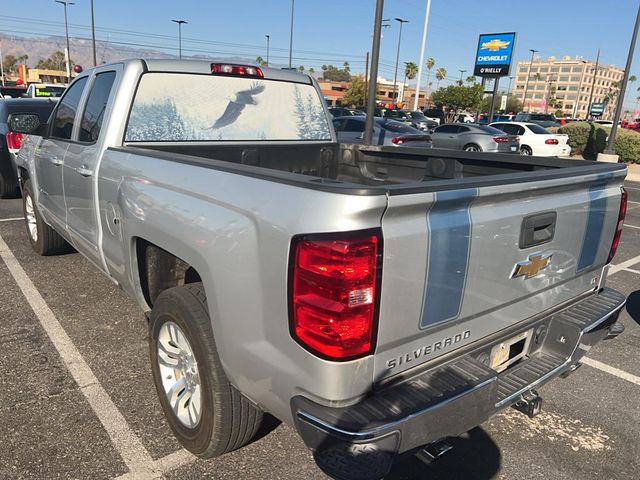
x,y
334,31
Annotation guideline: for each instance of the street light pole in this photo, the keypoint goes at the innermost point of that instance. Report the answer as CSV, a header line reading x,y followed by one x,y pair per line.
x,y
395,75
66,30
291,34
461,73
526,84
268,37
373,81
424,42
575,112
93,36
627,69
179,22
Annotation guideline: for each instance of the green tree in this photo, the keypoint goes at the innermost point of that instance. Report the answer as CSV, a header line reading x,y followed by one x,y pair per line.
x,y
301,69
330,72
9,63
429,64
261,61
410,70
513,104
470,79
441,73
346,67
54,62
457,98
312,71
354,94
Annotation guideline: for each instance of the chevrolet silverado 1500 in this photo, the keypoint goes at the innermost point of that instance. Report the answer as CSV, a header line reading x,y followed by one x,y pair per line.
x,y
378,299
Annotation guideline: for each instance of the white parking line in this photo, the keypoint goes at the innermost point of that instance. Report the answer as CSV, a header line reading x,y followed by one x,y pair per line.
x,y
127,444
611,370
626,264
14,219
631,188
633,203
631,226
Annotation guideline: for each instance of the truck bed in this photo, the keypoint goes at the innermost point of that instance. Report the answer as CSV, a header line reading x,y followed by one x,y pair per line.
x,y
370,170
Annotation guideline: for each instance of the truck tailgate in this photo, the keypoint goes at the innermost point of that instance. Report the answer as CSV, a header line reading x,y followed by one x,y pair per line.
x,y
462,264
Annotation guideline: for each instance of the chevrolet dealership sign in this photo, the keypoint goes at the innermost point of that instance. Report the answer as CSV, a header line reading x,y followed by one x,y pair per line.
x,y
493,57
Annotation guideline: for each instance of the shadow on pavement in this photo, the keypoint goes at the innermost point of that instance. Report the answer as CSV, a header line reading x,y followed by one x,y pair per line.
x,y
633,306
474,455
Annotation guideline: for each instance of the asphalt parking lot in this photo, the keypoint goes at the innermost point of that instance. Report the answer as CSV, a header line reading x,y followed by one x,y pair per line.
x,y
78,399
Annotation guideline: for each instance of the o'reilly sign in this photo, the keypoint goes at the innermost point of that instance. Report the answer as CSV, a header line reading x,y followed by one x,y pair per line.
x,y
493,57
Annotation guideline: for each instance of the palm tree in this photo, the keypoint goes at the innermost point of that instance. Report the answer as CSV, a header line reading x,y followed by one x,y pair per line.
x,y
441,73
410,70
470,79
301,69
429,64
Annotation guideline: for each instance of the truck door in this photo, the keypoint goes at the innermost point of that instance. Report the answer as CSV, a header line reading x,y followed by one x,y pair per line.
x,y
50,155
80,167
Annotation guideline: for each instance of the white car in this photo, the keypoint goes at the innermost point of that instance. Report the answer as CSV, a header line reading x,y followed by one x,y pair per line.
x,y
536,140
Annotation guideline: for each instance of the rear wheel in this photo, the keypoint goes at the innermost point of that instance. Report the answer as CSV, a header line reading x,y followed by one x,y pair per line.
x,y
206,413
472,147
524,150
43,238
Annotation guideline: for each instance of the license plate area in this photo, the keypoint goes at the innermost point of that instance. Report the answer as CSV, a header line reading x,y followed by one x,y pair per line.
x,y
508,352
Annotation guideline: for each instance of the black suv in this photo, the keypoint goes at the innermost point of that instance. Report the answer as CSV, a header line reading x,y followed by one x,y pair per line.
x,y
434,113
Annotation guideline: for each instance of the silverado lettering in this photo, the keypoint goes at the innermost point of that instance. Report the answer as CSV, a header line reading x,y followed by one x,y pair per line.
x,y
427,349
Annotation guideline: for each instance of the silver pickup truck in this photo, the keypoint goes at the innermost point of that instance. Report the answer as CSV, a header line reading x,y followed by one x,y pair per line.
x,y
378,299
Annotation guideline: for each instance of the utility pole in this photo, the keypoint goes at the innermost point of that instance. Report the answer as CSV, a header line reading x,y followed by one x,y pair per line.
x,y
395,75
493,98
66,30
593,84
291,34
526,84
366,77
575,112
424,42
2,66
93,36
179,22
508,92
373,83
267,37
625,79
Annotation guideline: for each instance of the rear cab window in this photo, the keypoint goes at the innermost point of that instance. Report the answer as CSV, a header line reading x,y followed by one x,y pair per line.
x,y
93,114
183,107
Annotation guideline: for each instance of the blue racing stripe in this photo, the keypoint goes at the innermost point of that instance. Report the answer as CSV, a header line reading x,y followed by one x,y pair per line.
x,y
449,235
595,223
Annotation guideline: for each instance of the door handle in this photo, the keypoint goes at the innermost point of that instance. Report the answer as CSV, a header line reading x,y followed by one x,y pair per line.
x,y
537,229
52,159
84,171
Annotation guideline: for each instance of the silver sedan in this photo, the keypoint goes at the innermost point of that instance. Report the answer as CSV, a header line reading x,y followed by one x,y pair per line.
x,y
474,138
385,132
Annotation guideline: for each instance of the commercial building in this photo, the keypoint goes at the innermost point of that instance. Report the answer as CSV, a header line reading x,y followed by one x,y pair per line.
x,y
334,92
567,80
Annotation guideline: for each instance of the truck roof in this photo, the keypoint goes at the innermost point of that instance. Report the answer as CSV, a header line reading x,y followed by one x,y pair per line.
x,y
204,67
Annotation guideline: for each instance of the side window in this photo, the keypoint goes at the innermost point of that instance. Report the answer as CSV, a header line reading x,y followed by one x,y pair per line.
x,y
463,129
447,129
354,126
66,112
520,130
96,106
501,126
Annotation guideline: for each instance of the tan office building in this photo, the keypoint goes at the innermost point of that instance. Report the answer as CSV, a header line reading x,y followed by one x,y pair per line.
x,y
572,79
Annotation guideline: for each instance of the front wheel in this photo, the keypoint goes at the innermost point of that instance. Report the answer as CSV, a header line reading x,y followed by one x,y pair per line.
x,y
206,413
43,238
472,148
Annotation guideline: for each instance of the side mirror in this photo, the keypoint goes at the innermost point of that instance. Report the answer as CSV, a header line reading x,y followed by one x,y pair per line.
x,y
28,123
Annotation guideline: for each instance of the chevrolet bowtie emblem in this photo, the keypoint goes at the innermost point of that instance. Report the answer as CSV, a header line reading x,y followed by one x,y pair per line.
x,y
531,268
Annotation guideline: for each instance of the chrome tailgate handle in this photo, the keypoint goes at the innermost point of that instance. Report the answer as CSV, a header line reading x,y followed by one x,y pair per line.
x,y
537,229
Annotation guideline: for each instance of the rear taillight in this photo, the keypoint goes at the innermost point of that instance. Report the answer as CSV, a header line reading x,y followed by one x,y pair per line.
x,y
14,140
334,293
501,139
551,141
410,138
621,215
240,70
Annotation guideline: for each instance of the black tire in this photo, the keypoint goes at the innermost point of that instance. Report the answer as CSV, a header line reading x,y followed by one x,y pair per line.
x,y
228,420
47,241
525,150
9,188
472,147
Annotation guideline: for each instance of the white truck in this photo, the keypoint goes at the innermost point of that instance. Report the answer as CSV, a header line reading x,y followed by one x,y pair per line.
x,y
378,299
